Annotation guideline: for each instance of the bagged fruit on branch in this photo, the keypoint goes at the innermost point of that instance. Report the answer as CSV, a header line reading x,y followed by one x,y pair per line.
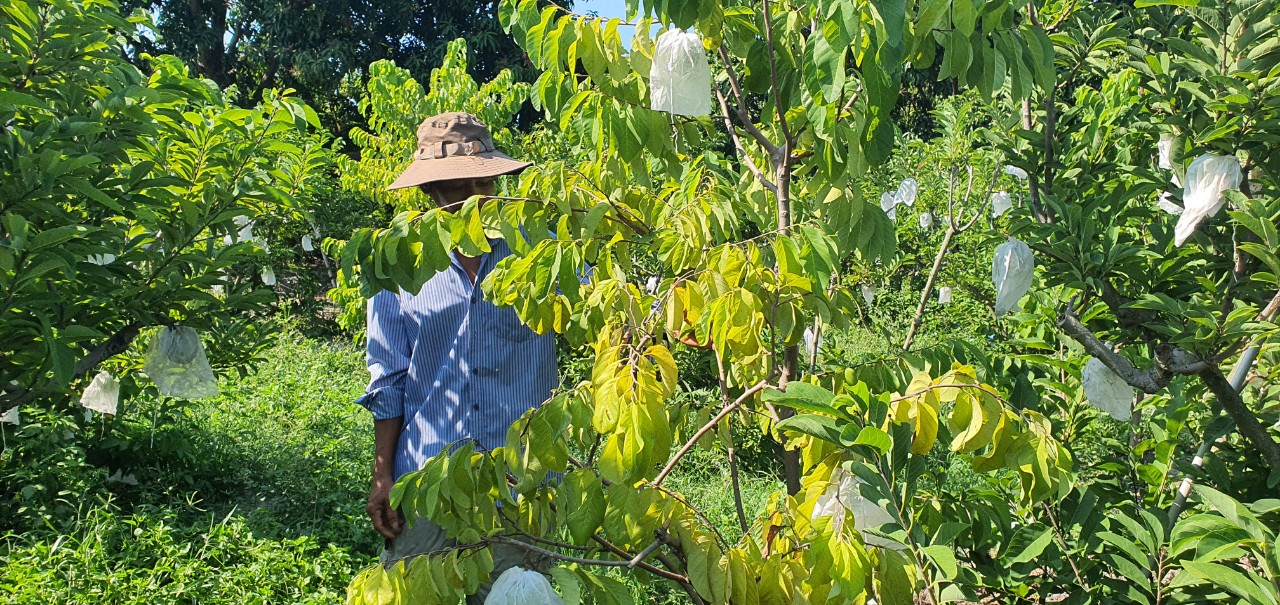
x,y
845,493
1106,390
868,293
102,395
889,204
177,364
812,342
1001,203
1012,270
520,586
1207,178
680,77
907,192
1164,150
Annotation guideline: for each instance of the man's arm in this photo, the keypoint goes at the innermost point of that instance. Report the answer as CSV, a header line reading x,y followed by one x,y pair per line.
x,y
386,434
390,337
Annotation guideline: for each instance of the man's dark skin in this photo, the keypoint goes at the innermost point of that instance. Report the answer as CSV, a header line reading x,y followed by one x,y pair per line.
x,y
386,433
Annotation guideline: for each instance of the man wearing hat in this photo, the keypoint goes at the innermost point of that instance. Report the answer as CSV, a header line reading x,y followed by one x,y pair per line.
x,y
446,365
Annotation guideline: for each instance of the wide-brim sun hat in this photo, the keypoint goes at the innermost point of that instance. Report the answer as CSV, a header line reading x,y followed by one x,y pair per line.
x,y
454,146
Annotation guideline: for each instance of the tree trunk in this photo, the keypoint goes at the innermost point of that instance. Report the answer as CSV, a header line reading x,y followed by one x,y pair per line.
x,y
928,287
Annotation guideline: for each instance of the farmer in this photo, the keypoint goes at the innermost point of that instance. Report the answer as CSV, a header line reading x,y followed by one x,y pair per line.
x,y
446,364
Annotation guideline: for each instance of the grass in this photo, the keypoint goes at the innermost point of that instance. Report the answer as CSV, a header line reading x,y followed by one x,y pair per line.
x,y
257,497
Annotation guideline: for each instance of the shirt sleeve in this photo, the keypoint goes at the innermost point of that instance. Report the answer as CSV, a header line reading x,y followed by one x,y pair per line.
x,y
390,336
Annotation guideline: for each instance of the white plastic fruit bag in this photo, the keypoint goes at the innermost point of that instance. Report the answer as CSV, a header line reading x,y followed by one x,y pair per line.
x,y
1106,390
868,293
944,295
1015,172
519,586
268,276
102,395
812,342
1001,203
907,192
889,204
1164,149
1207,178
1012,270
177,364
11,416
926,221
845,492
680,77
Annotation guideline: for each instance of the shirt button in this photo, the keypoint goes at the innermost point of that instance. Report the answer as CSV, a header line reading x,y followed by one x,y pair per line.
x,y
475,370
475,408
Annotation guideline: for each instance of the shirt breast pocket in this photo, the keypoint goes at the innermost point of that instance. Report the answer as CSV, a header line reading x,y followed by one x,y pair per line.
x,y
507,326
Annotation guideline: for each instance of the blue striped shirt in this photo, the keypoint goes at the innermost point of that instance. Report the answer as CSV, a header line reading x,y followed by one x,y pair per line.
x,y
452,364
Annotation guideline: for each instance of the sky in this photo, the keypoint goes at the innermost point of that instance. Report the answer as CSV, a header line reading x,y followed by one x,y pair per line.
x,y
608,8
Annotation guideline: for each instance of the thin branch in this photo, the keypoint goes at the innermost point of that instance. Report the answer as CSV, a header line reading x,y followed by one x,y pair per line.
x,y
111,347
697,512
1057,532
1148,381
733,458
644,554
1246,421
674,577
743,398
918,319
555,555
789,142
1033,180
741,107
545,541
737,144
982,208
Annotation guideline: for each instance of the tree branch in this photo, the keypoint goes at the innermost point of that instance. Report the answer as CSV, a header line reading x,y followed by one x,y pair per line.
x,y
674,577
111,347
1148,381
743,398
1246,421
737,144
741,106
789,142
555,555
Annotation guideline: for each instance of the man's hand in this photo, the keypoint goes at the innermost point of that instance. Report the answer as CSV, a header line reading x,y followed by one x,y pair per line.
x,y
385,519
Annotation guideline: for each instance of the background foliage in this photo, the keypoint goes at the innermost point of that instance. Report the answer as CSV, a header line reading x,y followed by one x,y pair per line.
x,y
737,231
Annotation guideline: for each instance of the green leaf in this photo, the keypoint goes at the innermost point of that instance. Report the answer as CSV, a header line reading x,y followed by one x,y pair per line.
x,y
1210,536
1040,49
873,437
568,585
802,393
964,17
1027,544
944,558
821,427
893,14
1230,580
583,498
